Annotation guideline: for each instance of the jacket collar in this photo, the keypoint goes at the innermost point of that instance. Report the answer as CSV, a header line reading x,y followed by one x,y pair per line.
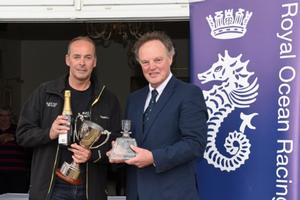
x,y
58,86
161,103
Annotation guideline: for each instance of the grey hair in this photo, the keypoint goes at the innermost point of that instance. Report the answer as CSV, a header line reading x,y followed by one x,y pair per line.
x,y
84,38
155,35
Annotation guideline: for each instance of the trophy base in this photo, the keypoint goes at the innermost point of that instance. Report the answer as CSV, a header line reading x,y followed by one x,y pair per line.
x,y
115,156
67,179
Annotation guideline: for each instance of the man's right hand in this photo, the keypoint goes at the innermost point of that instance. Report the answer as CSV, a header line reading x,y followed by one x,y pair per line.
x,y
59,126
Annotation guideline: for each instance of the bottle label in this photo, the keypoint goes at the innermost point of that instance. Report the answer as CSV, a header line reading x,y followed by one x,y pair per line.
x,y
63,139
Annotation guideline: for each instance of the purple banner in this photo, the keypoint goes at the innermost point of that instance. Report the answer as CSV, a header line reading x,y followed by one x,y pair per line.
x,y
245,55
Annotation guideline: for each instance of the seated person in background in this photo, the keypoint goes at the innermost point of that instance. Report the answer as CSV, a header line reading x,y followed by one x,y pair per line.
x,y
14,170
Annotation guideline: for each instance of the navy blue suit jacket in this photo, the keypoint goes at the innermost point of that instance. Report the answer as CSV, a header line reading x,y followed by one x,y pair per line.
x,y
176,136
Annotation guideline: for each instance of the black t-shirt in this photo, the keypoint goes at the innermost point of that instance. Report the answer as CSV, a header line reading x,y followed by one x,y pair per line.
x,y
80,104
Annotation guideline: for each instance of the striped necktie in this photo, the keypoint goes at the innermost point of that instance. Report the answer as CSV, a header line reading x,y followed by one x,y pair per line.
x,y
152,102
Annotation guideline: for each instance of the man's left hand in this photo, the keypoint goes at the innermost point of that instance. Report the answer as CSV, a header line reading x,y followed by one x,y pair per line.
x,y
80,154
142,159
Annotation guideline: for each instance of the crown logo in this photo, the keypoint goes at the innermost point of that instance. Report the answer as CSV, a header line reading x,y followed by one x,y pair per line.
x,y
226,25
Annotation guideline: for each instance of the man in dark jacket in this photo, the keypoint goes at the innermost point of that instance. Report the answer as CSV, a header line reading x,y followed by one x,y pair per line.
x,y
41,122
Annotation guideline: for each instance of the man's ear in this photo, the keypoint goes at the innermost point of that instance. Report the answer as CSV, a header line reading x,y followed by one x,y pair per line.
x,y
95,62
171,60
67,60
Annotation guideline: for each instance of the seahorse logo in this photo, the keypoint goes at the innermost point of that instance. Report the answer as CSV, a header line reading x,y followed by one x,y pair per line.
x,y
235,91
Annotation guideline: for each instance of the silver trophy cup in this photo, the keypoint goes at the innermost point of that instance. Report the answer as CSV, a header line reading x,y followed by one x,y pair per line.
x,y
89,133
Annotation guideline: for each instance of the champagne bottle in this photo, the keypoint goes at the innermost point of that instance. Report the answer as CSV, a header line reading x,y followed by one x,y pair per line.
x,y
65,139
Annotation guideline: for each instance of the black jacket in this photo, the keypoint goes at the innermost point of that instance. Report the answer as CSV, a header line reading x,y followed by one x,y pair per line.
x,y
37,116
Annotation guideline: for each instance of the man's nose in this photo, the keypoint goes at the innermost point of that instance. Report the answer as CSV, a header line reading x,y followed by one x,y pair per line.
x,y
152,64
82,61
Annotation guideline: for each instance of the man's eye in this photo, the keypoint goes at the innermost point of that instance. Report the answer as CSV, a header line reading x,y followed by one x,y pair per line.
x,y
158,60
144,62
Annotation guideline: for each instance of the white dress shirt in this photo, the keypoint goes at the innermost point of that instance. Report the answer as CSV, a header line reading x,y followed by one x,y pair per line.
x,y
159,89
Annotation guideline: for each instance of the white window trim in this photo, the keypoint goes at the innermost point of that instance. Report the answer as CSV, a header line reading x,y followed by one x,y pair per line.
x,y
93,10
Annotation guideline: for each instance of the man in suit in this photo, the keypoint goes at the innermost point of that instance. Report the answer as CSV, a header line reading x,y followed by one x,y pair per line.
x,y
171,135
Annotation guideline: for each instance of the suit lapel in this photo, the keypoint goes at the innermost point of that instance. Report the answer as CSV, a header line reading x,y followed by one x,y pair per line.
x,y
161,103
140,104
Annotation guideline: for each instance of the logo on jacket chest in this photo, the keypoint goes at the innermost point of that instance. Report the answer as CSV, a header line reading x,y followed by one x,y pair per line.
x,y
51,104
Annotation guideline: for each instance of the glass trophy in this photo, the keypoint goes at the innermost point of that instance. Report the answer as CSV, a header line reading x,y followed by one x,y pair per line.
x,y
89,133
121,148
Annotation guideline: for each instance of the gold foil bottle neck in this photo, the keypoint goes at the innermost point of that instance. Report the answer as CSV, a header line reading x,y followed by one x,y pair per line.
x,y
67,103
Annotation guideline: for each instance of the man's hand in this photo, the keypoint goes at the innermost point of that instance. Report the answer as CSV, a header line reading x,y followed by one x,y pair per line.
x,y
59,125
80,154
142,159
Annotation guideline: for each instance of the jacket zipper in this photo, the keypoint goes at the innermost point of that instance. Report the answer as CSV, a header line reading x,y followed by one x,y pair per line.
x,y
87,164
53,170
86,181
54,165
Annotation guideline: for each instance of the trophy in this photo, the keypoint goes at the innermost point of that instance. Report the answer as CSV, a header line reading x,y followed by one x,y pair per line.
x,y
89,133
121,149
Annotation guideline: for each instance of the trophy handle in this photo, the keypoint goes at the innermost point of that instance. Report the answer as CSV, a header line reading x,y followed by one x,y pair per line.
x,y
105,132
